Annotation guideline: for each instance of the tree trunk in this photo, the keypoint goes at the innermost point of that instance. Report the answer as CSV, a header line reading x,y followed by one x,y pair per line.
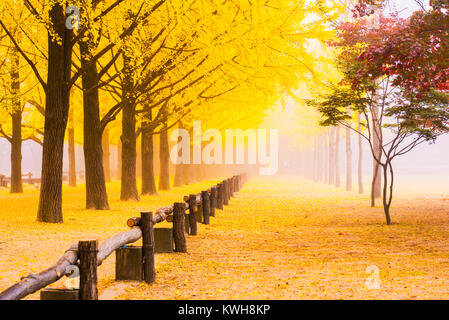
x,y
377,143
16,116
138,157
331,156
187,172
164,156
348,160
96,194
106,155
198,172
16,153
386,202
337,157
56,115
179,170
192,167
178,175
147,149
119,160
128,138
360,162
72,161
326,158
320,158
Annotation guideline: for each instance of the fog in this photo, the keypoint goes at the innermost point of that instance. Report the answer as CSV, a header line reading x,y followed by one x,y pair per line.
x,y
429,161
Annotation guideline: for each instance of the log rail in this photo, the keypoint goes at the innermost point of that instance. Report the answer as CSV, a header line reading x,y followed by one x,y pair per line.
x,y
35,282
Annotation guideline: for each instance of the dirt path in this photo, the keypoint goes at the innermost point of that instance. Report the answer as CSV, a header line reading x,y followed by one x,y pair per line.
x,y
290,240
278,239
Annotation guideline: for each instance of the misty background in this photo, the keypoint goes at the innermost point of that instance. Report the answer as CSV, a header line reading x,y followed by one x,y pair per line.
x,y
426,167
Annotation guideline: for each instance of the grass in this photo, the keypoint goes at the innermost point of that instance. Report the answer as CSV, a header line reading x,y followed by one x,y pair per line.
x,y
278,239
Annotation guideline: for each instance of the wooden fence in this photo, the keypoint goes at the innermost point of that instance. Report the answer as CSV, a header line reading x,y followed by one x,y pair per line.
x,y
4,181
88,255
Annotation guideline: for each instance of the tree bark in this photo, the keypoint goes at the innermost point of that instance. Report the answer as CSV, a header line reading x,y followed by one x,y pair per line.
x,y
360,161
119,160
385,197
72,155
331,156
320,158
179,169
106,155
128,138
377,143
16,116
316,164
138,156
164,156
337,157
186,173
348,160
147,149
326,158
96,194
178,175
189,170
56,116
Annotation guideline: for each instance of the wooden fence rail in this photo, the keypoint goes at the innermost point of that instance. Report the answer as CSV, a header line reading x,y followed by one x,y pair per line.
x,y
141,227
5,181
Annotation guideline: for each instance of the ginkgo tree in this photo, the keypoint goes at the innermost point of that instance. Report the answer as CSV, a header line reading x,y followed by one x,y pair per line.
x,y
20,121
176,56
57,54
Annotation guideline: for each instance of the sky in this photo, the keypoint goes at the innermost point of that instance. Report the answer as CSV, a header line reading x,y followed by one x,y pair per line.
x,y
404,7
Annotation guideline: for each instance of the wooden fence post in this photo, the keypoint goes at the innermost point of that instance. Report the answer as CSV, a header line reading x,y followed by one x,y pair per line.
x,y
213,201
199,212
149,270
220,196
186,223
206,207
231,186
87,251
179,227
225,192
192,215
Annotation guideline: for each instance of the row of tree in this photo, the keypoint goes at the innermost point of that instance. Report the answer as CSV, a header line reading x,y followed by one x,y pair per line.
x,y
133,69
